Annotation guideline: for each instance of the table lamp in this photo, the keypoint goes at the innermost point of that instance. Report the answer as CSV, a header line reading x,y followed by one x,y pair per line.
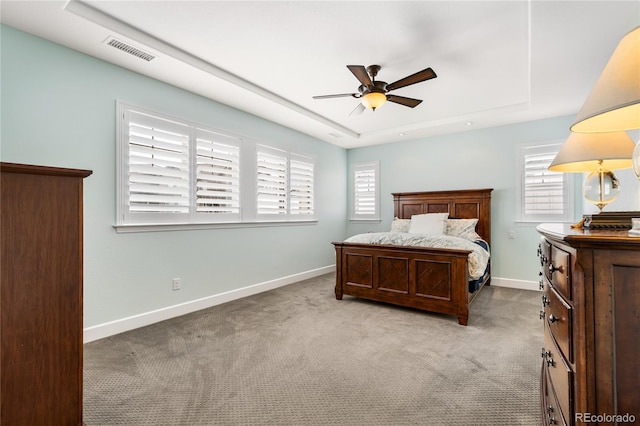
x,y
614,102
598,154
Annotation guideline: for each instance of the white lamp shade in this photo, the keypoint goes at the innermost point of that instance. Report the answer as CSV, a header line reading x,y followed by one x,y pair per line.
x,y
586,152
614,101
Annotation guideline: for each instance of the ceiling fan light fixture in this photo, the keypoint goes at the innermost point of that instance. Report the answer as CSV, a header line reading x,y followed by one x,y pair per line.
x,y
373,100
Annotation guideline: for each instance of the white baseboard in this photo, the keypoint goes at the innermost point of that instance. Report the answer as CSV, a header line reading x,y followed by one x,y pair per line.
x,y
111,328
101,331
511,283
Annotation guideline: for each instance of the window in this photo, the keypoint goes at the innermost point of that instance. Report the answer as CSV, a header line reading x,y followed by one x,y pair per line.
x,y
543,195
285,183
172,172
157,155
301,172
365,191
217,175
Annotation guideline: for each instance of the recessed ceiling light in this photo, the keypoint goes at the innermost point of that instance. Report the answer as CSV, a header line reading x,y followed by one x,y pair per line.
x,y
469,123
402,134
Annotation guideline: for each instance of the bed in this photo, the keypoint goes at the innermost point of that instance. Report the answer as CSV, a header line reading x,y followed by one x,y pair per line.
x,y
428,278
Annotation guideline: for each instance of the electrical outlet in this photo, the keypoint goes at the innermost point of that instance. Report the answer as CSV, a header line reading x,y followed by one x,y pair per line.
x,y
511,234
176,283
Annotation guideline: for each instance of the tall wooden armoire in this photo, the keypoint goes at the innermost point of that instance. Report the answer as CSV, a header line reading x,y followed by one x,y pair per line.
x,y
41,295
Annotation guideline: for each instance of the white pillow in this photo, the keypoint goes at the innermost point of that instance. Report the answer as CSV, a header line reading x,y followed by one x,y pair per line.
x,y
430,223
463,228
400,225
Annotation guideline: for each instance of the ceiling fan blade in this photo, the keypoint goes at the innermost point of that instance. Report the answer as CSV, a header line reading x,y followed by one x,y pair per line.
x,y
423,75
358,109
340,95
361,74
410,102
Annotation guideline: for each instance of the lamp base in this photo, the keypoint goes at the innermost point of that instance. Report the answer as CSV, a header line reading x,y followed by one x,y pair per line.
x,y
601,187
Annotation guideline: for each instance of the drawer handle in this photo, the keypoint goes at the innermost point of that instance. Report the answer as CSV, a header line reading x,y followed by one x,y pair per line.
x,y
553,269
549,409
540,285
547,356
541,314
553,318
545,300
550,362
552,420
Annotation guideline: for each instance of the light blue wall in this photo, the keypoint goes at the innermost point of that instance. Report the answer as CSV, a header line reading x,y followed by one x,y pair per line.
x,y
58,109
474,159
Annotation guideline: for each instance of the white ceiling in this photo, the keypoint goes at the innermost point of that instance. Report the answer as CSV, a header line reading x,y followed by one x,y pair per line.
x,y
498,62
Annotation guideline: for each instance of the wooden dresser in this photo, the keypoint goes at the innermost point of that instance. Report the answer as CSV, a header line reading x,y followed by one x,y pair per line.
x,y
40,295
591,313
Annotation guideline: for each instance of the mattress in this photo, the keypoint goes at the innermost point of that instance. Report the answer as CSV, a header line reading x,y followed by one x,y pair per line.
x,y
478,260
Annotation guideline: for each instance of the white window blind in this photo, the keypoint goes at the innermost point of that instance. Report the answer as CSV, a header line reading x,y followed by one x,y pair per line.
x,y
302,186
217,173
158,165
365,191
271,188
172,172
544,195
543,189
285,185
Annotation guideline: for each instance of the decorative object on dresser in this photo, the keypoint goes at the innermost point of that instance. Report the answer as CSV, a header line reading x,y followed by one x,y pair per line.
x,y
609,220
41,295
427,278
591,313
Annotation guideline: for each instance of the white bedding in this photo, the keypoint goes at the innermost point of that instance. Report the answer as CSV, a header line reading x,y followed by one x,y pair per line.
x,y
478,258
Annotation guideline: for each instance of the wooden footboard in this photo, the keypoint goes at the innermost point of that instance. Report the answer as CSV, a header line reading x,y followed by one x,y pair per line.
x,y
431,279
434,280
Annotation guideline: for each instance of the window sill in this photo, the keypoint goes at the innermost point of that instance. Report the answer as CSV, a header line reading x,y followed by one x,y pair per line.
x,y
378,220
538,222
132,228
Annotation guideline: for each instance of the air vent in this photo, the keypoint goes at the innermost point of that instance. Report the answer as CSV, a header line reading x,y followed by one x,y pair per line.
x,y
125,47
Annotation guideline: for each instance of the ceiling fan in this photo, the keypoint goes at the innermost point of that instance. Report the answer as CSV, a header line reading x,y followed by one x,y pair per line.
x,y
374,93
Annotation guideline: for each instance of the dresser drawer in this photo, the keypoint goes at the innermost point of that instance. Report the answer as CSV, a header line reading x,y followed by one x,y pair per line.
x,y
551,409
544,254
560,381
557,316
558,271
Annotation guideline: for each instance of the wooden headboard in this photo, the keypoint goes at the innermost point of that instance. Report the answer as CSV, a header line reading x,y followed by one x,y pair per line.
x,y
460,204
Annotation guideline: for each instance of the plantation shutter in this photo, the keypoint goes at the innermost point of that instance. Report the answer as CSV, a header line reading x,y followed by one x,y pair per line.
x,y
217,174
365,190
543,195
301,183
271,184
158,166
171,172
543,189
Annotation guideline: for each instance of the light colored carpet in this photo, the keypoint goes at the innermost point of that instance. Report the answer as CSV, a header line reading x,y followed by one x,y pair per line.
x,y
297,356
